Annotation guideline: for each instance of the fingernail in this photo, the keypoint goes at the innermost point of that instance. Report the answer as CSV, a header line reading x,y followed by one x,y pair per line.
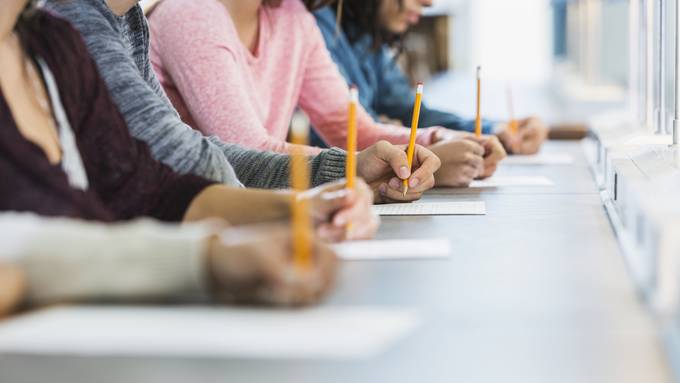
x,y
404,172
414,182
394,183
382,189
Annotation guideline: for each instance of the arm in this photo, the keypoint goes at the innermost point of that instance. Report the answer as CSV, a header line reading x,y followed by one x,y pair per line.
x,y
148,117
200,57
324,98
121,169
395,96
67,260
268,170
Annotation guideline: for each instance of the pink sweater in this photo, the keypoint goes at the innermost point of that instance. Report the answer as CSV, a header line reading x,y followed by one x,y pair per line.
x,y
221,88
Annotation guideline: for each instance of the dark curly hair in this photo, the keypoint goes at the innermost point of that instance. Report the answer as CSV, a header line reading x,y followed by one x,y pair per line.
x,y
362,17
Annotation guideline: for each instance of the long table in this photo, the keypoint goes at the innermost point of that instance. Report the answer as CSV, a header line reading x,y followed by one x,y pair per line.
x,y
535,291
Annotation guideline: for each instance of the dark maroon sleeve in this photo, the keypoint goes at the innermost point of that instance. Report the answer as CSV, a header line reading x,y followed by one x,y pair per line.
x,y
120,168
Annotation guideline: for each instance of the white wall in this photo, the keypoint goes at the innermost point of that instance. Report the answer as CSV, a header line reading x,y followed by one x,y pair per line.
x,y
509,38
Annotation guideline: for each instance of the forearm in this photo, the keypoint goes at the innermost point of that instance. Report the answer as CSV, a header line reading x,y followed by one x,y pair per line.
x,y
267,170
70,260
239,206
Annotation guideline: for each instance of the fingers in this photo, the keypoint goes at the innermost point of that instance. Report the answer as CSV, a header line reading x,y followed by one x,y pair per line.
x,y
300,287
363,223
327,204
425,164
395,156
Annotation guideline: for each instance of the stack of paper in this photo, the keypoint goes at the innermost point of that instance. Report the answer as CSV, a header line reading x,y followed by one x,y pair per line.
x,y
394,249
540,159
508,181
322,333
432,208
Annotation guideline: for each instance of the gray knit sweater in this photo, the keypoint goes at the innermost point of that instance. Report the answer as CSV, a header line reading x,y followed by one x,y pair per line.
x,y
120,47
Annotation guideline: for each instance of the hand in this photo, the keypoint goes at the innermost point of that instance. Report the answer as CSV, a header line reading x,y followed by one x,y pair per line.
x,y
384,166
12,288
333,206
255,266
383,119
493,153
531,135
462,162
443,134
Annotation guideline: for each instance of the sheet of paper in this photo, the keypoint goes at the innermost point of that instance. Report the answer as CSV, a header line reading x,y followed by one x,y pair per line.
x,y
394,249
507,181
320,333
540,159
432,208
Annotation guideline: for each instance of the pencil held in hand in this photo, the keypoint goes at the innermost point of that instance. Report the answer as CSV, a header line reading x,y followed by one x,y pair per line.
x,y
414,129
351,171
513,124
478,119
351,164
299,175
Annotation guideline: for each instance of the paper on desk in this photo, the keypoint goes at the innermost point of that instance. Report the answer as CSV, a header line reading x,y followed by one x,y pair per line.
x,y
540,159
507,181
321,333
394,249
432,208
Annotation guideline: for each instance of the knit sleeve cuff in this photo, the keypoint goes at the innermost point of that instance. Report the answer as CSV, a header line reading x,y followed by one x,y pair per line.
x,y
328,166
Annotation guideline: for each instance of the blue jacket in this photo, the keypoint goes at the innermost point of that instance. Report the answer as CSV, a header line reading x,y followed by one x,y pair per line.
x,y
383,87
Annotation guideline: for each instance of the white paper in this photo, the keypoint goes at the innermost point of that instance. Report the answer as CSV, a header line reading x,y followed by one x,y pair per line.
x,y
432,208
540,159
394,249
507,181
321,333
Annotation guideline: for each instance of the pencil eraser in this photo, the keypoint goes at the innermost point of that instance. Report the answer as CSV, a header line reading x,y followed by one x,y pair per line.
x,y
479,71
354,94
419,88
300,124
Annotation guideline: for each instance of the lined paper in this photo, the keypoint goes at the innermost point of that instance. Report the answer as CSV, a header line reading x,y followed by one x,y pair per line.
x,y
432,208
508,181
401,249
190,331
540,159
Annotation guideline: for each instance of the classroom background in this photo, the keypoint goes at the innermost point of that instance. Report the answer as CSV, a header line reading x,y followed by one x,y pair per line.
x,y
569,273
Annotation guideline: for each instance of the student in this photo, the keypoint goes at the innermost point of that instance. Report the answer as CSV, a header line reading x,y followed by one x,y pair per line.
x,y
117,37
239,68
363,47
65,152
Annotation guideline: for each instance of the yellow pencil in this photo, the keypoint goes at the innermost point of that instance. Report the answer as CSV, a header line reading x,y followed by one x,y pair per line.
x,y
352,137
414,127
514,126
299,175
478,119
351,170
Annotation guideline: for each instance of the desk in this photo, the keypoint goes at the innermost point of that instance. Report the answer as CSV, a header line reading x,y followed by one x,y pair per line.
x,y
536,291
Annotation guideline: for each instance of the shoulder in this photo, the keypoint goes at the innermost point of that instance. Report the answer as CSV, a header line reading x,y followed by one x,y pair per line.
x,y
325,18
194,17
193,11
90,14
52,35
294,11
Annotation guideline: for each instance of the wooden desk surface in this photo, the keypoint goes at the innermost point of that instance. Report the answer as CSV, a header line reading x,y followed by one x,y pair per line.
x,y
536,291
